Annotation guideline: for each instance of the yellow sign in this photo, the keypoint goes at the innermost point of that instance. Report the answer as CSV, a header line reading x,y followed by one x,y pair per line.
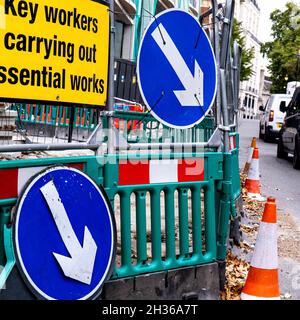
x,y
54,50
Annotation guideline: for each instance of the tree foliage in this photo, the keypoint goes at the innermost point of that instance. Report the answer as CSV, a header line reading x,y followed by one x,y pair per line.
x,y
284,51
247,53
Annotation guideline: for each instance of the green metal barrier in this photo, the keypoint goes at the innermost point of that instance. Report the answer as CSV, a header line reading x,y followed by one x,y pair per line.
x,y
5,211
84,118
197,236
236,182
195,214
203,248
138,127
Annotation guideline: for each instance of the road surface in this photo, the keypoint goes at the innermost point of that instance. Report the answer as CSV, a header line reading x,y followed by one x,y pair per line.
x,y
281,180
278,177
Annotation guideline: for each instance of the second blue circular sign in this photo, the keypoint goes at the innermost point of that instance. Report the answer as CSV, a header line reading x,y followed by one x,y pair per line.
x,y
177,72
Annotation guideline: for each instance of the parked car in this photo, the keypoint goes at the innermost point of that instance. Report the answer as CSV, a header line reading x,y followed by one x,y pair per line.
x,y
289,135
271,118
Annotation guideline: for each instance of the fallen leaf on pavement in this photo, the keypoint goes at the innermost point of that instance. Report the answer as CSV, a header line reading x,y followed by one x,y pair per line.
x,y
287,295
236,274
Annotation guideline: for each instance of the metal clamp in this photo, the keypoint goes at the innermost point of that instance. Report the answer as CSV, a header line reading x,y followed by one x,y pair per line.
x,y
226,20
224,128
107,113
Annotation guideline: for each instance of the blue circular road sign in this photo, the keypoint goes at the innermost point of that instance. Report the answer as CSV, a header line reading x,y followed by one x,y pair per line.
x,y
64,235
176,67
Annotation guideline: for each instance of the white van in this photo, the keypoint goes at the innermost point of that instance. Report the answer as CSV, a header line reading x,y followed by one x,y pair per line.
x,y
271,118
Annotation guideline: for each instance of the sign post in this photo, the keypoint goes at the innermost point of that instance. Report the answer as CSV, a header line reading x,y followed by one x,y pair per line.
x,y
111,83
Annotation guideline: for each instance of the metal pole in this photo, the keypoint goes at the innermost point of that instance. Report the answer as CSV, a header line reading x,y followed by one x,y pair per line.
x,y
226,34
215,8
163,146
236,77
230,88
46,147
71,124
111,94
225,110
225,51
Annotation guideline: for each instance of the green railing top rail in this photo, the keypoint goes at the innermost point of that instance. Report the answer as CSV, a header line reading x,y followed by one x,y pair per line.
x,y
84,118
208,121
88,118
142,127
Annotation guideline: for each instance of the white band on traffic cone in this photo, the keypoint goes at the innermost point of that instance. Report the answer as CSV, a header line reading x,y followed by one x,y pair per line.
x,y
265,252
245,296
250,153
254,170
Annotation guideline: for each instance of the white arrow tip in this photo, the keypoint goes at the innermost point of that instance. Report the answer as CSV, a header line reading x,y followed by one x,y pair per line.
x,y
188,98
81,265
192,96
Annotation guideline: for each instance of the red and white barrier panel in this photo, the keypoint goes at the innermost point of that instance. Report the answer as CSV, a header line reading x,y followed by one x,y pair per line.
x,y
13,180
232,143
160,171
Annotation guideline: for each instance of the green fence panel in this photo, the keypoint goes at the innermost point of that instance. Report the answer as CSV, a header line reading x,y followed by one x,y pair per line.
x,y
5,211
183,221
185,246
56,115
191,249
236,182
195,232
141,127
136,127
225,206
170,222
141,231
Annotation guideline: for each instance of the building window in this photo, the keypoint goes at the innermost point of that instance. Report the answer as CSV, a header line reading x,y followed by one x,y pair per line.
x,y
194,3
119,38
249,102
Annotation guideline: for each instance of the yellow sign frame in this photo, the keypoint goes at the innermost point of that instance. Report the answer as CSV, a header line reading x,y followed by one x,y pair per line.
x,y
54,51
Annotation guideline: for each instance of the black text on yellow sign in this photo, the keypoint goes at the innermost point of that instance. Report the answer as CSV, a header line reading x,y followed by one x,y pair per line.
x,y
54,50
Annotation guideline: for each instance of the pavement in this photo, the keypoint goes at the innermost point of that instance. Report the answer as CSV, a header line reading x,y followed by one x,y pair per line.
x,y
280,180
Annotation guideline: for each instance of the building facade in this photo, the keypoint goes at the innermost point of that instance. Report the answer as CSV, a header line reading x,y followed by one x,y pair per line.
x,y
133,16
247,12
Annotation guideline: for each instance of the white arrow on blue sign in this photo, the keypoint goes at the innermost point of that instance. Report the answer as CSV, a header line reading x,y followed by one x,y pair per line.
x,y
64,235
177,72
80,265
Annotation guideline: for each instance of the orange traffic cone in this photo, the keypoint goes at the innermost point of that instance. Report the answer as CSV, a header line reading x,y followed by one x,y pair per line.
x,y
263,281
252,183
249,158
